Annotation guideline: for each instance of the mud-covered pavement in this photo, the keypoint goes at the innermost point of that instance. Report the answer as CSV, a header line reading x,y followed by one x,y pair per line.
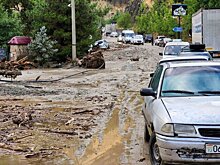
x,y
88,117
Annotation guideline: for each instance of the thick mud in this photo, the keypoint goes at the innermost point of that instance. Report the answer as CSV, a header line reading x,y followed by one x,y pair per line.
x,y
88,117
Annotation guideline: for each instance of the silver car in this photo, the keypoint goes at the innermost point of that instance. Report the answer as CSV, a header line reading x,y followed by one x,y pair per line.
x,y
137,39
182,113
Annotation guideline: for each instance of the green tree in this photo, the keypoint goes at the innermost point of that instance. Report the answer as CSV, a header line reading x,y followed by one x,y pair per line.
x,y
42,47
21,7
10,26
124,21
36,16
57,19
159,18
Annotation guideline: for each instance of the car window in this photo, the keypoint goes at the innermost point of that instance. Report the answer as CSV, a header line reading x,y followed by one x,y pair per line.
x,y
194,80
156,78
173,49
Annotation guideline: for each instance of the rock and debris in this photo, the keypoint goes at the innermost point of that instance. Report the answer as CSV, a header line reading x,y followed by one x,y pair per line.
x,y
11,69
94,60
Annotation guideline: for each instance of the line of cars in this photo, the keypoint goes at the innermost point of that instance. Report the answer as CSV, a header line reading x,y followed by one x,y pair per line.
x,y
181,107
129,36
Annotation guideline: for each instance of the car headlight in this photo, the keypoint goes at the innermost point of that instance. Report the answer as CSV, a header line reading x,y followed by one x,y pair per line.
x,y
167,129
180,130
184,130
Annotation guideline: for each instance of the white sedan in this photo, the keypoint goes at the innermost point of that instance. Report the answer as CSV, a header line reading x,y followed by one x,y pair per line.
x,y
181,111
137,39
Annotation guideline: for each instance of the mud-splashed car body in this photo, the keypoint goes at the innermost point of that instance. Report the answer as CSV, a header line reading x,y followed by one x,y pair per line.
x,y
182,113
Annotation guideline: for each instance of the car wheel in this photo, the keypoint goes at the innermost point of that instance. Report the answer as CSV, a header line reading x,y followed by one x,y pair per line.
x,y
154,151
146,134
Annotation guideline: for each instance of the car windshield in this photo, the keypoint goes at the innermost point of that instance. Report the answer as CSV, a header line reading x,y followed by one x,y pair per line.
x,y
129,34
138,36
173,49
191,81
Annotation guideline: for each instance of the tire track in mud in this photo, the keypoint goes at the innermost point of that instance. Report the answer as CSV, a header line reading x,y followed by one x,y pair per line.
x,y
122,139
132,119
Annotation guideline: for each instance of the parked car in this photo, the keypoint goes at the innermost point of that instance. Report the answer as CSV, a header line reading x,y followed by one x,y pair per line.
x,y
100,44
156,41
114,34
172,49
137,39
181,112
163,41
148,38
120,39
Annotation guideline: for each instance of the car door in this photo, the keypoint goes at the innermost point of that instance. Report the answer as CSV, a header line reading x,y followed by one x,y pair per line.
x,y
149,100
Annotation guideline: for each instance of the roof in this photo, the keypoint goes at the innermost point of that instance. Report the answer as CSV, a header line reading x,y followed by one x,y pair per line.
x,y
177,43
184,59
20,40
191,64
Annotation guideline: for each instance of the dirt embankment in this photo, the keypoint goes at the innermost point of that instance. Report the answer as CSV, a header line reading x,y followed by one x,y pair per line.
x,y
89,118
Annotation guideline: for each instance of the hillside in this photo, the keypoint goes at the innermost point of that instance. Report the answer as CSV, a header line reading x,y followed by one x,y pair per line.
x,y
123,5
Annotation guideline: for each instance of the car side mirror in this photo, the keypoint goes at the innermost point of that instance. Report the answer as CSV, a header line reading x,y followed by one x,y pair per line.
x,y
161,54
147,92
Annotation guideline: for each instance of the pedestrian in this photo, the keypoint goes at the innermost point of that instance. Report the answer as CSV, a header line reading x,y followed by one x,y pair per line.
x,y
152,40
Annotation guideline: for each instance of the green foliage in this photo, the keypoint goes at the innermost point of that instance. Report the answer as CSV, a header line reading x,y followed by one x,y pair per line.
x,y
42,47
158,20
124,21
114,18
57,19
21,7
10,26
36,16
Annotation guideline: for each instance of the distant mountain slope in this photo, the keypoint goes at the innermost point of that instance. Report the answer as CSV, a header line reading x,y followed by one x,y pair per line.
x,y
131,6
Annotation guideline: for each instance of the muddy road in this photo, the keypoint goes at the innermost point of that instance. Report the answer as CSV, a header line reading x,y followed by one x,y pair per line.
x,y
88,117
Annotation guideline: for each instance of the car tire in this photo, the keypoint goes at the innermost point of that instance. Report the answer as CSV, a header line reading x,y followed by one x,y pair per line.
x,y
154,154
146,134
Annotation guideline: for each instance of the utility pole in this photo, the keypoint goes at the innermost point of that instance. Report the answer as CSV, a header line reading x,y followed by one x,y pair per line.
x,y
73,30
179,24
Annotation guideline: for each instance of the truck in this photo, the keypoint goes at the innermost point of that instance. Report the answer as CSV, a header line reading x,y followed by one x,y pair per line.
x,y
206,29
109,28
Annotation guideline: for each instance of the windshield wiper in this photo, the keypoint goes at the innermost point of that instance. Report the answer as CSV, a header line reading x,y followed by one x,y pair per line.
x,y
178,91
209,92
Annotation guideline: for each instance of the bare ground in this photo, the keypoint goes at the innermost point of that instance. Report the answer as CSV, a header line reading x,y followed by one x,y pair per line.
x,y
88,117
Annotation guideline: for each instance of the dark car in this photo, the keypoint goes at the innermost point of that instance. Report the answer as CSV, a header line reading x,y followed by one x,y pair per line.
x,y
163,41
148,38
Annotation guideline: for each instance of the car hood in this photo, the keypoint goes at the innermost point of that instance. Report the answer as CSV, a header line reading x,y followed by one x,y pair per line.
x,y
193,110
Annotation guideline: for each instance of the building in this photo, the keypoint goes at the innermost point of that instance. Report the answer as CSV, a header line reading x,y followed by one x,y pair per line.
x,y
18,47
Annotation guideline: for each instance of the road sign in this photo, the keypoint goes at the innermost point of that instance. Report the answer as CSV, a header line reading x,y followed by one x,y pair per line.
x,y
177,29
179,9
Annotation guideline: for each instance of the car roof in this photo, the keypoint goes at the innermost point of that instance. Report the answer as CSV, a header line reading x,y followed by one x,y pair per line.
x,y
167,38
188,64
127,31
177,43
177,40
195,53
184,59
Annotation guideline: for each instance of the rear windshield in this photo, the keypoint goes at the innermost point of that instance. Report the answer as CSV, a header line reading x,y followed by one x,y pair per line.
x,y
173,49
